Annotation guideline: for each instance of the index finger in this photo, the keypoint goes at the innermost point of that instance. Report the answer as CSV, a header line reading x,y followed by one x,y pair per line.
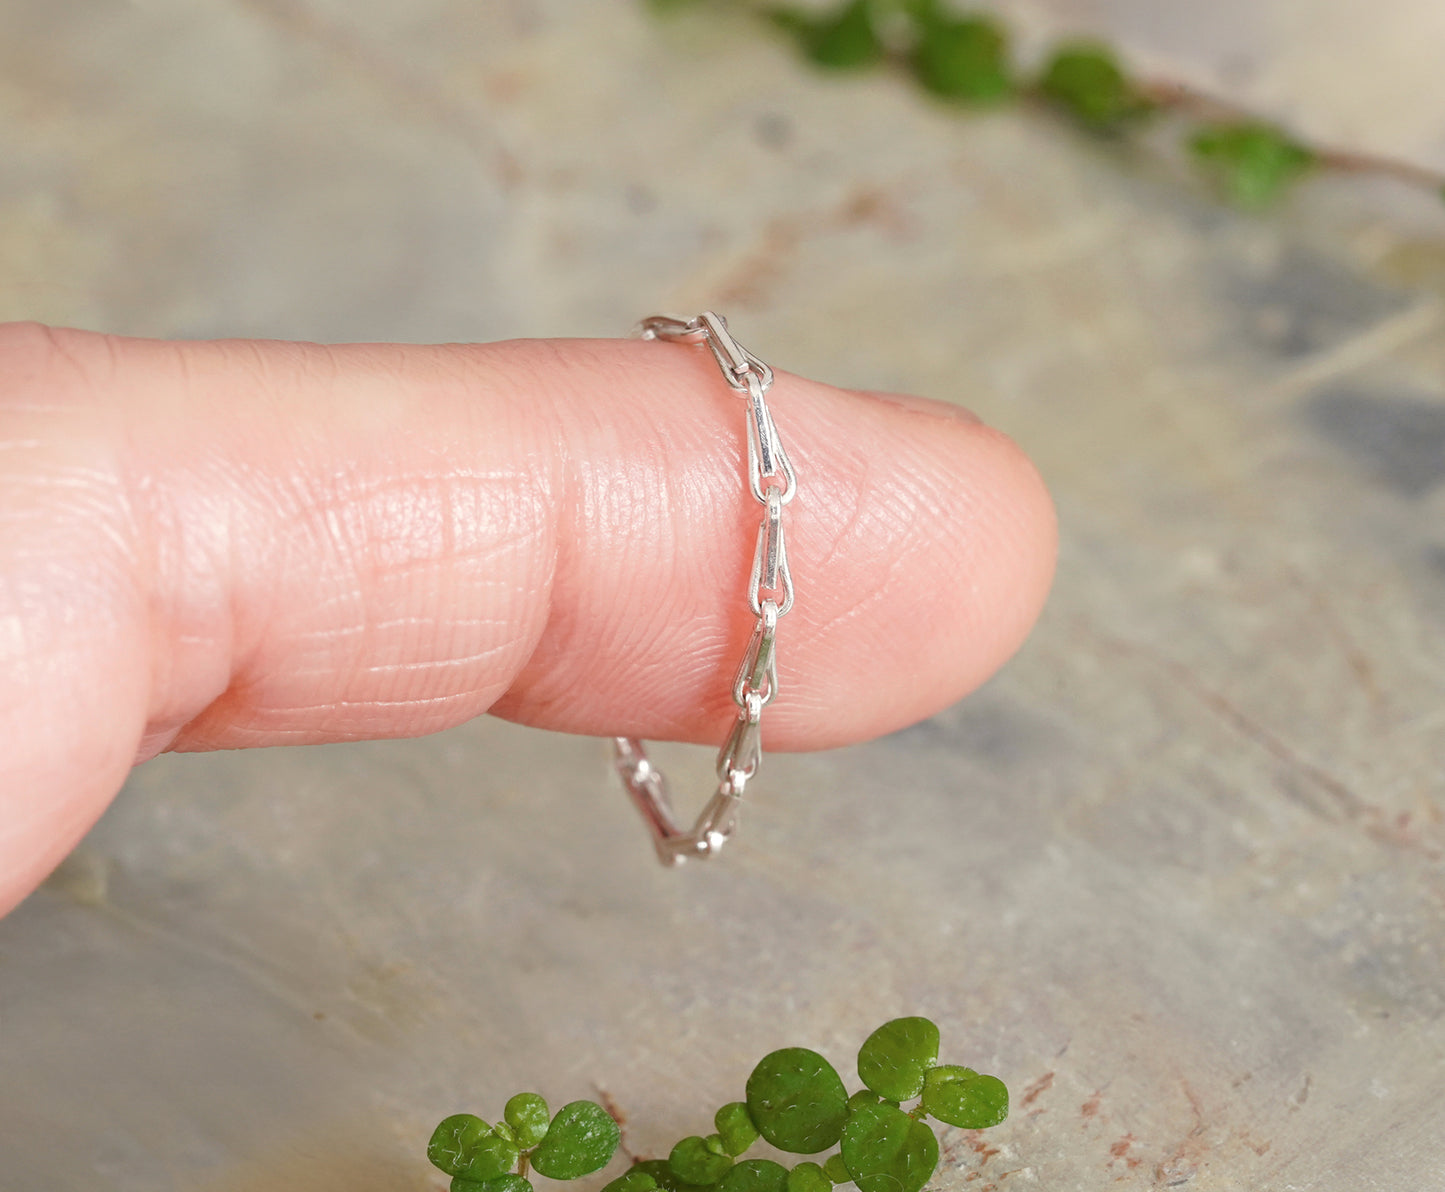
x,y
213,545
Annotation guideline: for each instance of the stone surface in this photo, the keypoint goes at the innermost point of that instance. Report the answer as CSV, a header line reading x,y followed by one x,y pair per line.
x,y
1177,875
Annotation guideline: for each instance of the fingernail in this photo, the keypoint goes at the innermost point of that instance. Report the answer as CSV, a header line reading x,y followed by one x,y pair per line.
x,y
929,406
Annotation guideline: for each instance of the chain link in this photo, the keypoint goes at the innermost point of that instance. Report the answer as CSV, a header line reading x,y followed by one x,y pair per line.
x,y
771,481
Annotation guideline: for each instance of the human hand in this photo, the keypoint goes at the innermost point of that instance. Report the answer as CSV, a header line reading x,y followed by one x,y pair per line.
x,y
236,543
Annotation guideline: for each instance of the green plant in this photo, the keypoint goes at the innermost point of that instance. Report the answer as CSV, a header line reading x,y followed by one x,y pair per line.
x,y
964,57
481,1158
1085,80
794,1100
1251,162
841,40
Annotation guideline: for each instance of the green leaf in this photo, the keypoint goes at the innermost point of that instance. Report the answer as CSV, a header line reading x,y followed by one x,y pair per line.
x,y
632,1180
755,1175
809,1177
735,1125
923,11
797,1101
888,1151
894,1058
863,1097
492,1156
464,1145
453,1139
964,60
694,1162
1253,163
842,40
581,1138
502,1183
961,1097
1086,80
527,1114
661,1172
836,1170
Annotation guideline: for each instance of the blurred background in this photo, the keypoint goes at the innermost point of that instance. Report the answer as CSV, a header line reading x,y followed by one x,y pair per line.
x,y
1176,874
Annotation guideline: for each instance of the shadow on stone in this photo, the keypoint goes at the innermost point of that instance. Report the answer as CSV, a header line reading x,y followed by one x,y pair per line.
x,y
1399,438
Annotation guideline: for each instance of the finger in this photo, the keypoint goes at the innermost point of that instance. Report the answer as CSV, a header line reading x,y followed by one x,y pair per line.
x,y
212,545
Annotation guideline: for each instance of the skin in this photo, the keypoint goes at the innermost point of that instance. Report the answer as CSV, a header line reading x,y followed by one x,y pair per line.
x,y
239,543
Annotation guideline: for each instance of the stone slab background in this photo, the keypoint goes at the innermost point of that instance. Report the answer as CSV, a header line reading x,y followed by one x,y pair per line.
x,y
1176,874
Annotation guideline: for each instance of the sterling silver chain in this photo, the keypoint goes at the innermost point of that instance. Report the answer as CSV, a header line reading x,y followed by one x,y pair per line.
x,y
772,483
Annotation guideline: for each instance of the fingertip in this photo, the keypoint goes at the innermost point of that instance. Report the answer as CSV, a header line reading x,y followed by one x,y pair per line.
x,y
926,543
927,407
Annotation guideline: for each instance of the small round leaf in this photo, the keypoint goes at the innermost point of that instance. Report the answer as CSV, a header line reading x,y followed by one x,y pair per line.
x,y
502,1183
966,59
660,1170
464,1145
1254,163
797,1101
836,1170
632,1181
735,1125
452,1139
841,40
491,1156
863,1097
1086,80
894,1058
808,1177
755,1175
527,1114
694,1162
581,1138
962,1097
888,1151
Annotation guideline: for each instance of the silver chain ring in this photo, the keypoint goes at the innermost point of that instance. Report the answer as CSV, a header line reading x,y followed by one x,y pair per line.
x,y
771,481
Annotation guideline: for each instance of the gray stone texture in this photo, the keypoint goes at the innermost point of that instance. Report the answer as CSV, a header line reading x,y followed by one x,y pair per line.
x,y
1177,874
